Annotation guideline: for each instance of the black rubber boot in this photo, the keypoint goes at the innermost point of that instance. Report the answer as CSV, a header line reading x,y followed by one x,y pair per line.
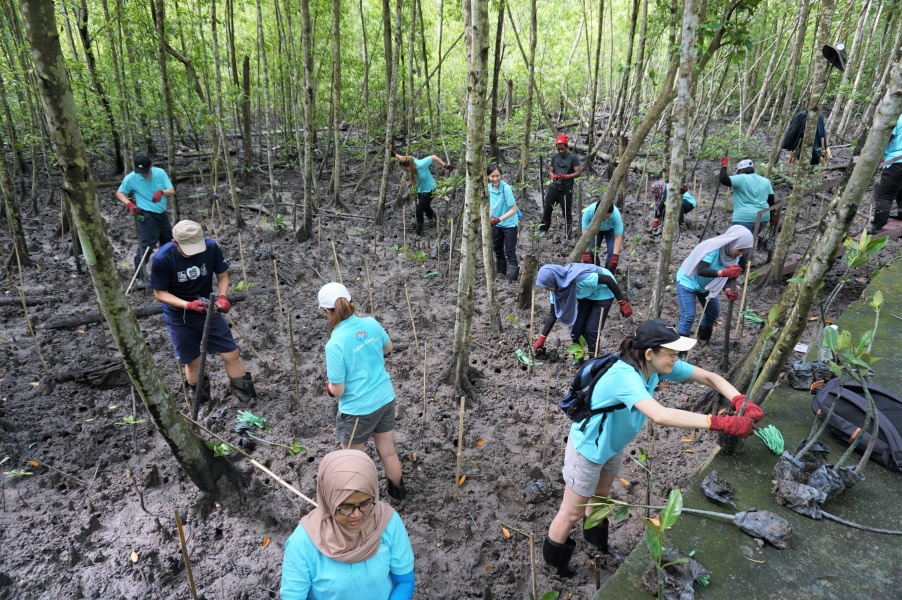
x,y
243,388
557,556
398,492
597,537
704,338
513,272
500,267
879,222
204,393
419,228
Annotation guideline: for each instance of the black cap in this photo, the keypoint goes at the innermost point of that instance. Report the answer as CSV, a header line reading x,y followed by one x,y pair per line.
x,y
659,332
142,164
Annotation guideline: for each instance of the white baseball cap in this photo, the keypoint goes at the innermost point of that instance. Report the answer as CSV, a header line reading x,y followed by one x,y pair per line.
x,y
331,292
190,237
744,164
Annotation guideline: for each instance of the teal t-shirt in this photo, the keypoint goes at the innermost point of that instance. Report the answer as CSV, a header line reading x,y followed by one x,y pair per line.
x,y
144,189
615,222
590,289
691,199
699,283
425,182
894,147
308,574
500,202
354,357
622,383
750,192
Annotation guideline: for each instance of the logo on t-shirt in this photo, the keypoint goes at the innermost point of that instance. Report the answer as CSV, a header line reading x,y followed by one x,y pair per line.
x,y
361,336
192,273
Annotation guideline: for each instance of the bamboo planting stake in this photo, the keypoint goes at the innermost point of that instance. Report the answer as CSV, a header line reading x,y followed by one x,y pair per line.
x,y
697,327
369,287
319,238
275,272
242,336
247,284
353,431
178,523
425,345
335,257
404,225
138,270
532,313
598,333
451,249
745,289
460,444
178,371
532,554
294,360
545,419
34,338
412,324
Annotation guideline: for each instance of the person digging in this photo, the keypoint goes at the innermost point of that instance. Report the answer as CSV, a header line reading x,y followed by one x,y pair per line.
x,y
181,278
424,182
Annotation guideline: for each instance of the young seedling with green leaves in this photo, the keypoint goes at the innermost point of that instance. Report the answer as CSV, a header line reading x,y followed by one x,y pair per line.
x,y
220,450
526,357
130,420
251,420
578,350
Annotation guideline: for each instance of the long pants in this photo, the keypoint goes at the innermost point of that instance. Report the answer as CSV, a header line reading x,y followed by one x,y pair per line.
x,y
555,196
153,228
424,207
588,313
889,190
504,243
661,209
607,237
687,298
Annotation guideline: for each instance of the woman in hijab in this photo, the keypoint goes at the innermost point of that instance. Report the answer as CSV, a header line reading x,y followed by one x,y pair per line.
x,y
704,273
352,545
581,296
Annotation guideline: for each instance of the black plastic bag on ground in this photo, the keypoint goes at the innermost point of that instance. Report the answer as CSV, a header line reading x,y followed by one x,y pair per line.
x,y
801,375
788,468
849,477
827,480
765,525
718,490
677,578
815,457
801,498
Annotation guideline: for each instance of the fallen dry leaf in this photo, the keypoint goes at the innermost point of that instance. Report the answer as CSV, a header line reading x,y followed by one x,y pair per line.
x,y
813,318
488,567
625,482
413,457
462,479
134,556
505,533
480,442
35,383
657,522
687,440
663,386
34,463
81,331
689,451
266,541
112,407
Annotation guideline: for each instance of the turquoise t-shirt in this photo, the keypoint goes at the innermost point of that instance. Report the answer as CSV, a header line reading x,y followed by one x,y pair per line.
x,y
699,283
622,383
501,201
590,289
750,192
691,199
308,574
354,357
425,182
894,147
615,222
144,189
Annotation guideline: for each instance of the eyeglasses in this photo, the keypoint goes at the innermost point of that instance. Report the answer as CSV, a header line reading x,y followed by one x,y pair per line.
x,y
670,355
347,510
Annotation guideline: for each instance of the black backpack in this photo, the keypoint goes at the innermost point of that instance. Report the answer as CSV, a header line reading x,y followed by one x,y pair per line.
x,y
848,418
577,404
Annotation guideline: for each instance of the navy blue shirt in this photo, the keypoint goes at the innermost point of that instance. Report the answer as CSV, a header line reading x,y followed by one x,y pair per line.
x,y
189,278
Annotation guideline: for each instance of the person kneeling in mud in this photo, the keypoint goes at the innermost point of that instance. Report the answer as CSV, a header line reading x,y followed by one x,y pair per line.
x,y
595,446
661,191
581,296
421,177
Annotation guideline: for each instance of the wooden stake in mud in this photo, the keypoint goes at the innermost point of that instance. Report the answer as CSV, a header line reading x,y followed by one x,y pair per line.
x,y
247,284
728,324
532,314
353,431
204,342
319,238
294,360
138,270
532,554
369,287
275,272
335,257
545,419
425,345
178,523
451,249
178,370
697,327
34,338
412,324
460,445
745,289
242,336
404,225
598,333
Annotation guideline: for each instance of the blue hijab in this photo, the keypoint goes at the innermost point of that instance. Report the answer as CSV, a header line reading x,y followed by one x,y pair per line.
x,y
563,280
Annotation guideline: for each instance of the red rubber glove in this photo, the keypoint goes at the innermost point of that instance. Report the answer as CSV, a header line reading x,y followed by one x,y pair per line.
x,y
133,208
158,195
494,221
752,410
724,161
731,294
736,426
774,221
223,305
329,393
449,167
731,272
613,262
626,311
587,257
197,306
539,342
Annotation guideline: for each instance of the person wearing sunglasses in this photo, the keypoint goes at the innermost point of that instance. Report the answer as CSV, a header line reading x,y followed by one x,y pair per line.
x,y
352,545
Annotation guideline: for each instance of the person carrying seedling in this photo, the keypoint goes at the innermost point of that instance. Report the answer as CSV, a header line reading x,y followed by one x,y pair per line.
x,y
504,219
150,187
421,177
581,296
563,170
352,545
751,193
181,277
610,232
661,190
889,189
356,375
708,269
595,445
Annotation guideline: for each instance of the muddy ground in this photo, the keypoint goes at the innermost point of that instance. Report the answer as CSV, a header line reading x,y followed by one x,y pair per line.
x,y
95,519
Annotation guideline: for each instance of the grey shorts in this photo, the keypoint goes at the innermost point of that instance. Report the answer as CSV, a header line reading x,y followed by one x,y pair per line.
x,y
581,474
381,420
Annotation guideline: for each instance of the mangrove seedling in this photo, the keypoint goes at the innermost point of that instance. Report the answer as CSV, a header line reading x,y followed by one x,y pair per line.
x,y
219,450
578,350
249,418
130,420
17,473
